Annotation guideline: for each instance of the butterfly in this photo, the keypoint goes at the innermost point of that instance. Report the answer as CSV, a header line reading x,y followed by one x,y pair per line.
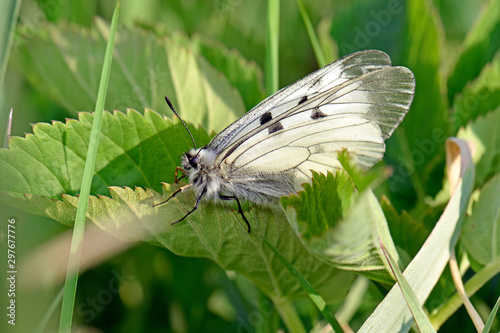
x,y
354,103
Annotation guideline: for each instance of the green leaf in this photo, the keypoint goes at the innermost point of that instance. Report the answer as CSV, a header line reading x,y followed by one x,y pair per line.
x,y
336,230
323,203
422,134
480,46
146,69
219,233
146,149
479,96
481,231
134,150
245,76
483,132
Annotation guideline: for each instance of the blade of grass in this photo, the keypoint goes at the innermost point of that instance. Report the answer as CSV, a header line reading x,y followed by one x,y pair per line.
x,y
9,11
315,297
79,228
8,129
50,311
318,51
421,320
492,316
272,46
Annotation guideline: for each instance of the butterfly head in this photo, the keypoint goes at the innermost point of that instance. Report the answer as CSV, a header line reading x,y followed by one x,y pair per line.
x,y
197,158
191,159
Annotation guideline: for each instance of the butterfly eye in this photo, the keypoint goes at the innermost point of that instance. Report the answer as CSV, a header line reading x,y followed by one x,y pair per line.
x,y
193,161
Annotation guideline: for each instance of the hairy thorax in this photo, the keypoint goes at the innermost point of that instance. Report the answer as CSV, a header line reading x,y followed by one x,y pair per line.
x,y
216,180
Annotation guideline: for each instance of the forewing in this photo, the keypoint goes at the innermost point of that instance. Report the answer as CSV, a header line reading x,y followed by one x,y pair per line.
x,y
283,102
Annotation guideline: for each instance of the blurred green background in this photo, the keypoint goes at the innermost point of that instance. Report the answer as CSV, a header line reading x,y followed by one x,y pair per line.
x,y
161,292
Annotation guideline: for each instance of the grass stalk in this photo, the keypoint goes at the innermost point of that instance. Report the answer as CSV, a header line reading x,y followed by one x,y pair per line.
x,y
79,228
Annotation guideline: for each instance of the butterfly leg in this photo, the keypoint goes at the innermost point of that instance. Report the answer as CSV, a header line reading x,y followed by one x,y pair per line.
x,y
195,205
233,197
173,194
184,173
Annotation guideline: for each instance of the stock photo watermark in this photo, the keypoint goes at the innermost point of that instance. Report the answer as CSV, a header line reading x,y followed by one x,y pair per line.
x,y
11,271
89,308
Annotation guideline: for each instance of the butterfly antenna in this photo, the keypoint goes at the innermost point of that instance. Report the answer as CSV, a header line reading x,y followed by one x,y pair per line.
x,y
182,121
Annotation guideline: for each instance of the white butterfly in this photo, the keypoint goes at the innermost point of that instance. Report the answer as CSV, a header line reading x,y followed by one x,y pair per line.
x,y
354,103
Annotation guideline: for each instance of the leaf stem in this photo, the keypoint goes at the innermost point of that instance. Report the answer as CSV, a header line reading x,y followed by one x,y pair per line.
x,y
318,51
471,286
457,280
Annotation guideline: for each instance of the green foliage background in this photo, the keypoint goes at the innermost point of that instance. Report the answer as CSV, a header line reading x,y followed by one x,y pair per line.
x,y
208,56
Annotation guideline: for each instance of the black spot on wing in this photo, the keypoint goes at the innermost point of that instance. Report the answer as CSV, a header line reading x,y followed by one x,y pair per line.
x,y
316,114
275,127
302,100
266,117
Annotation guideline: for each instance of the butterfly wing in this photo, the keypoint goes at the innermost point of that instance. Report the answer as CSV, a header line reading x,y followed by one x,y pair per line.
x,y
354,103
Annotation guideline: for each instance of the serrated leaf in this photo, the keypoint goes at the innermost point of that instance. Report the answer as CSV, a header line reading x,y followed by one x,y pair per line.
x,y
218,233
145,149
481,231
479,96
343,234
323,203
146,69
134,150
480,46
483,132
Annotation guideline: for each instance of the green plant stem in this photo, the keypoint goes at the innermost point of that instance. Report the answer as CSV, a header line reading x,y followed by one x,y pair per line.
x,y
471,286
72,271
318,51
272,46
50,311
289,316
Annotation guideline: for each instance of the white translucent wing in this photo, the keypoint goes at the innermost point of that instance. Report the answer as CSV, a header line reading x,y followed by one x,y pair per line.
x,y
334,74
309,146
354,103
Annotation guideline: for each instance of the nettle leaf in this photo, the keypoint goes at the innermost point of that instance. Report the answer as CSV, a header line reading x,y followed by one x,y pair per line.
x,y
145,69
134,150
480,46
43,171
481,230
219,233
336,230
479,96
246,76
483,132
